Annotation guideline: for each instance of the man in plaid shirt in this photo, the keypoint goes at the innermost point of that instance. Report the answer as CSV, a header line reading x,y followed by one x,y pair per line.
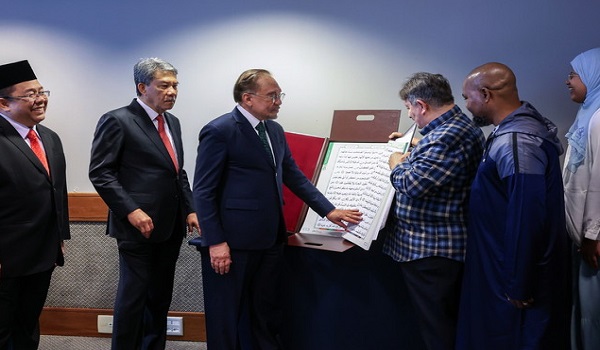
x,y
432,185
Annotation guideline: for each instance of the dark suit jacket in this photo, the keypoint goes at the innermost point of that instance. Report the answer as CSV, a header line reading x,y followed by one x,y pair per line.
x,y
131,168
34,215
238,192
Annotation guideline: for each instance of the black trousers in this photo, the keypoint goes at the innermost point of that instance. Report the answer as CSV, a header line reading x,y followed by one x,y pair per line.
x,y
243,307
146,275
21,302
434,288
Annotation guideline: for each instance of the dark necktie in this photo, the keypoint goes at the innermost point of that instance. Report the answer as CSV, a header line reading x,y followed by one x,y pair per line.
x,y
262,133
165,140
36,147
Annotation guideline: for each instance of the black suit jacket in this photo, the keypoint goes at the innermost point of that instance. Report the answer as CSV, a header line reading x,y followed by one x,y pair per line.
x,y
34,215
131,168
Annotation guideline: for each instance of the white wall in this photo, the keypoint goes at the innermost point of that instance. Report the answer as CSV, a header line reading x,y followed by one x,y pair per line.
x,y
325,55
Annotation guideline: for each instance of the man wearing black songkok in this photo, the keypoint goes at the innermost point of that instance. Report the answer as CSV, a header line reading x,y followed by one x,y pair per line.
x,y
34,213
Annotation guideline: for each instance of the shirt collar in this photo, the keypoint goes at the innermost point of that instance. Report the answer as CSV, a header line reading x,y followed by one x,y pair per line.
x,y
21,129
151,113
252,119
441,119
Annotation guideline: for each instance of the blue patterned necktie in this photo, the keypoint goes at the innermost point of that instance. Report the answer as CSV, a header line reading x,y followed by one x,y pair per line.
x,y
262,133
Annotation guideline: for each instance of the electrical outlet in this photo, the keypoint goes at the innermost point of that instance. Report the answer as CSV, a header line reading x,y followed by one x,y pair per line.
x,y
105,324
174,325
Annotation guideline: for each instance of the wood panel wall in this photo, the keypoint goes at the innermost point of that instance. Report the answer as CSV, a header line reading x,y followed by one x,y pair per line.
x,y
84,323
89,207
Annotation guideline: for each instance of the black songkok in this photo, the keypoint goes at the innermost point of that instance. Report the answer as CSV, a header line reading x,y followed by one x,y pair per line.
x,y
14,73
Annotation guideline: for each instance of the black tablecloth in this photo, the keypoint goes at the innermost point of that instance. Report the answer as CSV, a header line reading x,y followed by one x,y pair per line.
x,y
350,300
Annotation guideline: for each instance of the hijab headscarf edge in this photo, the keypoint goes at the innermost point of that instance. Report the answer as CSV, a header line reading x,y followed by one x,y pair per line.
x,y
587,66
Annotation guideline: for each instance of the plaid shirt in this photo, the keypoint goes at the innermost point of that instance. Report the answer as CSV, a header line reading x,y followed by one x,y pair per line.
x,y
432,190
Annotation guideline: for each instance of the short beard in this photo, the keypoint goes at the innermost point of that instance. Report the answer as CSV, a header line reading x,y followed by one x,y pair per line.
x,y
481,121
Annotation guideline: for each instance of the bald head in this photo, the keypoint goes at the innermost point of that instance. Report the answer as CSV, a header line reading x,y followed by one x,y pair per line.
x,y
496,77
492,89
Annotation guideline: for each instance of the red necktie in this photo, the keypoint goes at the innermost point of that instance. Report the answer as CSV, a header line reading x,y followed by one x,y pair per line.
x,y
165,140
34,142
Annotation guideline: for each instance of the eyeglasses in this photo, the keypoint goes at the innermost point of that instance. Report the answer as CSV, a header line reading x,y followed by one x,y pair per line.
x,y
572,75
274,97
31,96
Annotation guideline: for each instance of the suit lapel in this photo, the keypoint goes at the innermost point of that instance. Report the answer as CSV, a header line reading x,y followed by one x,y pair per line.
x,y
147,126
248,131
274,137
13,137
49,147
176,135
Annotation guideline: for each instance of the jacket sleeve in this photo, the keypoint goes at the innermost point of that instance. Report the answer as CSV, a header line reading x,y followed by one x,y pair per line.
x,y
210,166
104,166
522,168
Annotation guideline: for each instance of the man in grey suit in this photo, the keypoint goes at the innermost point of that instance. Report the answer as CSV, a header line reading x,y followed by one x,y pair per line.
x,y
137,168
34,212
243,162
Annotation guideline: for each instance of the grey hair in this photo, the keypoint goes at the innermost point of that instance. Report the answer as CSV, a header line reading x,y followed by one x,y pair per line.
x,y
145,68
431,88
247,82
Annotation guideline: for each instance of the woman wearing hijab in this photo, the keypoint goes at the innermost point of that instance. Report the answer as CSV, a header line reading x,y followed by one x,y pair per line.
x,y
582,198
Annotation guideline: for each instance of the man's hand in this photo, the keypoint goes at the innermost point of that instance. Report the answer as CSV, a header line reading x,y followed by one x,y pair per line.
x,y
220,257
140,220
397,135
62,250
397,158
352,216
192,223
590,251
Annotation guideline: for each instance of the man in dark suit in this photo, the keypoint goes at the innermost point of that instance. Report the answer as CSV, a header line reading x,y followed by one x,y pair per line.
x,y
137,168
34,216
243,161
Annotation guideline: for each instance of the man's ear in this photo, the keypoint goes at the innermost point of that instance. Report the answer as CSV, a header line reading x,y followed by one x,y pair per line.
x,y
4,104
424,106
141,88
247,99
487,94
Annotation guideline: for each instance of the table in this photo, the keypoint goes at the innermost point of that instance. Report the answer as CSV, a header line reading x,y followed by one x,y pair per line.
x,y
350,300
